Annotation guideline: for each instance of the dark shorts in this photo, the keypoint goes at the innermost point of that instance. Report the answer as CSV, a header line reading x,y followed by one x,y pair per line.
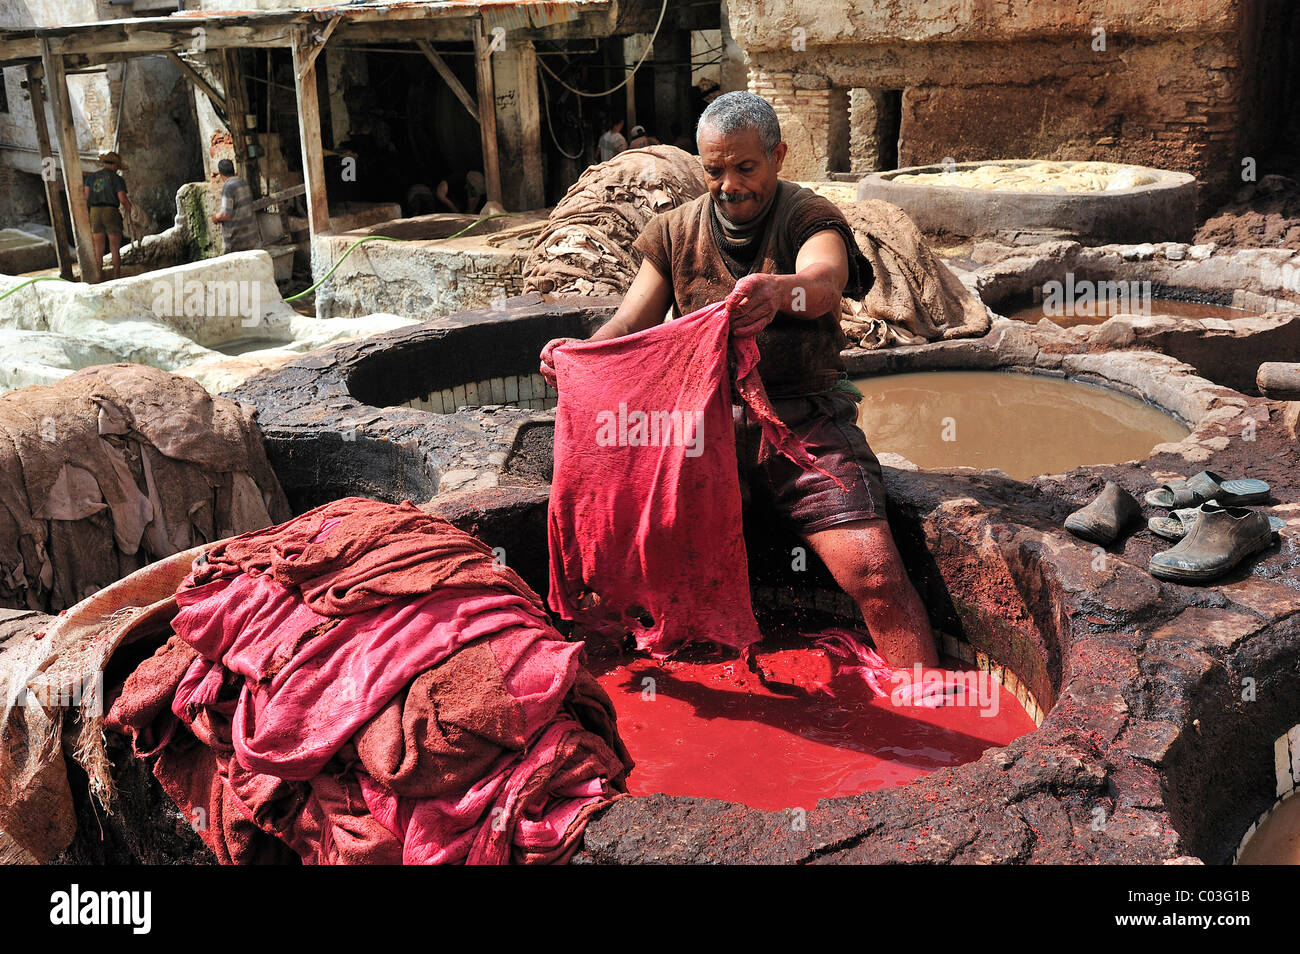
x,y
810,501
105,220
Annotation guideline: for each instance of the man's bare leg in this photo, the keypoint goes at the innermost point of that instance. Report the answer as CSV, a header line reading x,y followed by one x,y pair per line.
x,y
100,241
115,244
867,565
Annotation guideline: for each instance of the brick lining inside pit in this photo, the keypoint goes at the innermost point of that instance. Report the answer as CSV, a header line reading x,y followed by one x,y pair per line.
x,y
1286,770
1147,751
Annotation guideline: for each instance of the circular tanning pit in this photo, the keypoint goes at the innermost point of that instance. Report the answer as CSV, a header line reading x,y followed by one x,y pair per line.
x,y
1221,311
1021,424
1092,202
1135,685
1277,839
1196,306
705,724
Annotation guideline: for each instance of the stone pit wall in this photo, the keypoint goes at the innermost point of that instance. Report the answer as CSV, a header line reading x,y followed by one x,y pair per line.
x,y
1172,89
418,279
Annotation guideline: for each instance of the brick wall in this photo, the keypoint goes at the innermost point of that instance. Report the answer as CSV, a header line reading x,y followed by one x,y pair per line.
x,y
803,105
1178,103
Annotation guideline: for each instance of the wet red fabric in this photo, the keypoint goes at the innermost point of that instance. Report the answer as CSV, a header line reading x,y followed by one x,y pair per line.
x,y
644,524
403,727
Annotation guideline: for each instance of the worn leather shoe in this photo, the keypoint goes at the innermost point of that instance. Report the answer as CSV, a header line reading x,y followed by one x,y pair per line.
x,y
1103,520
1175,526
1220,539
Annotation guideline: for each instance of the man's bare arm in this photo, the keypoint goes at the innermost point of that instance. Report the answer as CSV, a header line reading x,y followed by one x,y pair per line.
x,y
821,272
643,306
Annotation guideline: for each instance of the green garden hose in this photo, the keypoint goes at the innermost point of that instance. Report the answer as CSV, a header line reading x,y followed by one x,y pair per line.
x,y
38,278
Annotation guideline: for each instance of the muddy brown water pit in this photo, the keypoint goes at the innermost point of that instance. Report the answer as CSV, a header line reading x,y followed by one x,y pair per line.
x,y
1095,313
1222,311
1147,751
1277,840
1021,424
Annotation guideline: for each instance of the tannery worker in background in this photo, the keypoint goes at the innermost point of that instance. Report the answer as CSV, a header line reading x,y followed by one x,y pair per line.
x,y
611,143
239,231
105,191
790,254
640,140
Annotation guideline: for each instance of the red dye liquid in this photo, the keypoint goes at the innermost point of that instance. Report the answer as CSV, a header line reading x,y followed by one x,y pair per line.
x,y
708,726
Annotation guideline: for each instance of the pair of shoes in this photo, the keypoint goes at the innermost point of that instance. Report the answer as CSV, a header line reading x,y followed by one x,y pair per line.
x,y
1205,486
1103,520
1175,527
1217,539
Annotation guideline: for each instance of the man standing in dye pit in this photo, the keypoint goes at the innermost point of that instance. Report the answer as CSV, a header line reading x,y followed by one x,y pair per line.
x,y
790,254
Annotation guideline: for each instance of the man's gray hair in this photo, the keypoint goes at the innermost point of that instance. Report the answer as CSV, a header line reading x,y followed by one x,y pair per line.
x,y
731,112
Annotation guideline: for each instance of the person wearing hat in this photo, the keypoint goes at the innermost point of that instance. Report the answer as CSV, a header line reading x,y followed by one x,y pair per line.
x,y
640,140
239,231
105,191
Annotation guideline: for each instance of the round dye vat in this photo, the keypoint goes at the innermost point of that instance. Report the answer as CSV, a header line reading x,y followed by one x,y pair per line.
x,y
1277,840
704,725
1022,424
1094,313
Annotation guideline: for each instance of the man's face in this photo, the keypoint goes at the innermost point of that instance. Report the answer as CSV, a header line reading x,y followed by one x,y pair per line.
x,y
741,176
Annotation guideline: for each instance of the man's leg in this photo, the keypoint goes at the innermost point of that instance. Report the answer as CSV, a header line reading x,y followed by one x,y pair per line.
x,y
100,241
867,565
115,243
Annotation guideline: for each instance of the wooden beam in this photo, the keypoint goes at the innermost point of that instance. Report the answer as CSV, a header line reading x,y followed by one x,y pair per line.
x,y
318,43
313,158
277,197
115,37
52,197
630,88
71,163
197,79
519,124
236,110
487,111
435,31
449,77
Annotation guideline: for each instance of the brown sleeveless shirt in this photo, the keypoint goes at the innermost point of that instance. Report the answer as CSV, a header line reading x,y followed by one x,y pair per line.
x,y
798,355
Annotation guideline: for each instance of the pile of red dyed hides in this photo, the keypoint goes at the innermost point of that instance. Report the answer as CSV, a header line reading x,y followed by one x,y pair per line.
x,y
365,684
645,513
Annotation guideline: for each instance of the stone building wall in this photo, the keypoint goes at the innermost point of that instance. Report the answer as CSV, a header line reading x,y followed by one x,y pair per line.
x,y
1173,85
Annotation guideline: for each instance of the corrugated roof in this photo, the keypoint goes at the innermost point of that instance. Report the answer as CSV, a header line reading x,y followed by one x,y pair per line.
x,y
18,45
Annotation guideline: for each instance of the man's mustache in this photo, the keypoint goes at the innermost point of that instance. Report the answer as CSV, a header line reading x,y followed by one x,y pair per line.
x,y
735,196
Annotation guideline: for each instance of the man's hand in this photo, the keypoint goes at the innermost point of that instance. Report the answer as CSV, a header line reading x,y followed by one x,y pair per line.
x,y
758,299
548,363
